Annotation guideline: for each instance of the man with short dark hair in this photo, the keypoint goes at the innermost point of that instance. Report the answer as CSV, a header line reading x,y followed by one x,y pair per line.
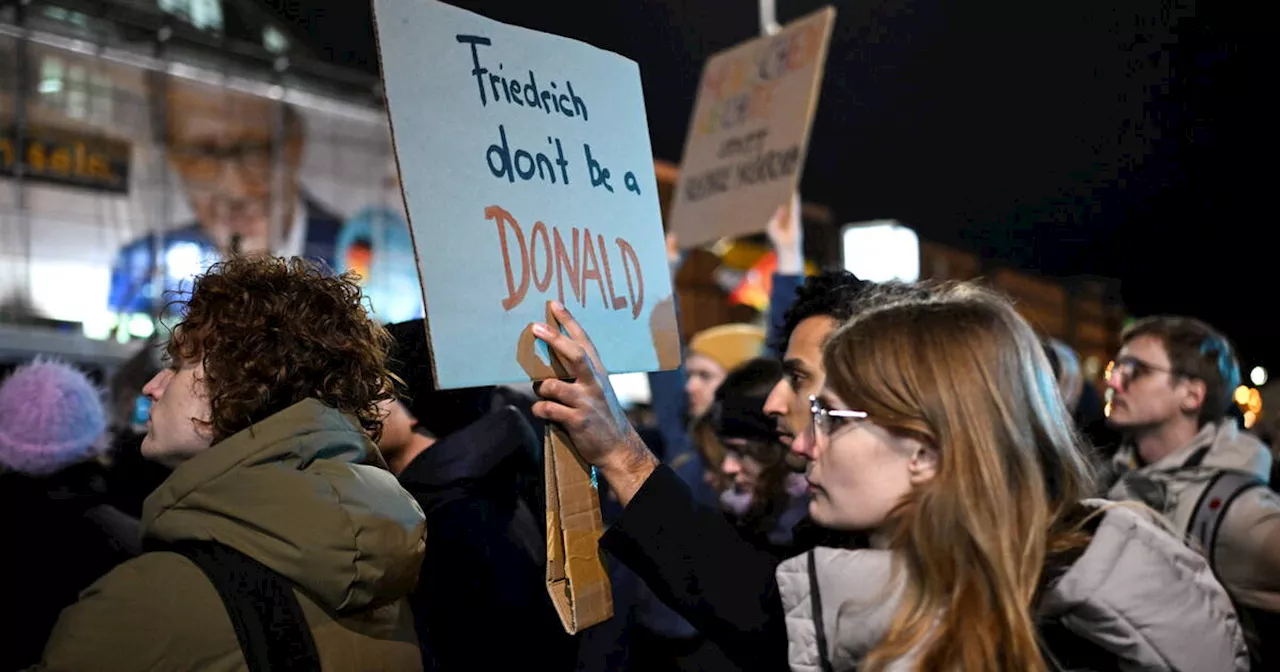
x,y
1170,389
822,304
267,413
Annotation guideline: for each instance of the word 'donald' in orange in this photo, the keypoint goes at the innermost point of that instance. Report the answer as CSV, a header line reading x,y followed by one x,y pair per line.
x,y
545,256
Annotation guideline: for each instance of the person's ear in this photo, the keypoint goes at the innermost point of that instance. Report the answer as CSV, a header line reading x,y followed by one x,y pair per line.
x,y
923,466
1193,394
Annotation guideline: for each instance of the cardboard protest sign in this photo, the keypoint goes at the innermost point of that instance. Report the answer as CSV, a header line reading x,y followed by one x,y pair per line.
x,y
527,175
749,132
576,578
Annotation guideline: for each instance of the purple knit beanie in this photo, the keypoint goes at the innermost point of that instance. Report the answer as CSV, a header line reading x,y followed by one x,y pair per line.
x,y
51,417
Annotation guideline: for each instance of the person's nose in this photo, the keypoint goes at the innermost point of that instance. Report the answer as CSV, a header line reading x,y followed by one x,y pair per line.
x,y
806,444
1114,382
731,466
233,178
778,402
154,389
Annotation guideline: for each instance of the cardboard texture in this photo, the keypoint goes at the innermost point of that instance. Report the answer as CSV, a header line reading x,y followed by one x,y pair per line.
x,y
749,132
527,175
576,575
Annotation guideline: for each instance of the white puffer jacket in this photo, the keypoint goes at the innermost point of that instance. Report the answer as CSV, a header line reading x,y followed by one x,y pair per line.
x,y
1136,592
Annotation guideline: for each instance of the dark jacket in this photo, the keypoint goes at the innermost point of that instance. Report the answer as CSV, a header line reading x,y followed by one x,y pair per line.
x,y
482,602
60,536
696,561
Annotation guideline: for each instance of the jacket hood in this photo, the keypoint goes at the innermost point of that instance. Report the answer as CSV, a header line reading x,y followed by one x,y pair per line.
x,y
1229,449
291,493
1136,592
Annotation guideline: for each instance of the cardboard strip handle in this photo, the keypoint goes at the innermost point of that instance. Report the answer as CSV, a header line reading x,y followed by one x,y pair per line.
x,y
576,576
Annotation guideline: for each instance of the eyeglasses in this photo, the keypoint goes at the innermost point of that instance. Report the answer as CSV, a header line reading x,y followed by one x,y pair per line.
x,y
1125,370
825,420
203,164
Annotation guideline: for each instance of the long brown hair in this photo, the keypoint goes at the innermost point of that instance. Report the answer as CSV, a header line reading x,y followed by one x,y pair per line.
x,y
961,371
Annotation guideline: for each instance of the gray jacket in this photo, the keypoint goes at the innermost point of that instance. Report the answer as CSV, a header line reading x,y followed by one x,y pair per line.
x,y
1136,592
1247,552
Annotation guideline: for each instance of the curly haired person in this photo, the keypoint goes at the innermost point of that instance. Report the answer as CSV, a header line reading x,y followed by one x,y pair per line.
x,y
268,413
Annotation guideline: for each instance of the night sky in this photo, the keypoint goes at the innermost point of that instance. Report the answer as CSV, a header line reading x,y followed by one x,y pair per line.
x,y
1128,139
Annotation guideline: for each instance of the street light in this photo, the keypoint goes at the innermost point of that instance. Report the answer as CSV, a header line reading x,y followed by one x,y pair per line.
x,y
881,250
1258,375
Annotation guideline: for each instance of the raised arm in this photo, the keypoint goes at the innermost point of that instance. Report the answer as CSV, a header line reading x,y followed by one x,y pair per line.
x,y
686,552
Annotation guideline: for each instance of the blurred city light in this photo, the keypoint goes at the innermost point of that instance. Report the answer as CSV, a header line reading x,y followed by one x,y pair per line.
x,y
141,326
881,250
1258,375
631,388
1242,395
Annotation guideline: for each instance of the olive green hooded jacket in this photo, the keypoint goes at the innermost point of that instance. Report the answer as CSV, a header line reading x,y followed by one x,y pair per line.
x,y
290,492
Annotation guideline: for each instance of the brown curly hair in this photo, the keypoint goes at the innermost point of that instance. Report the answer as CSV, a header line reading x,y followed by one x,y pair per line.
x,y
272,332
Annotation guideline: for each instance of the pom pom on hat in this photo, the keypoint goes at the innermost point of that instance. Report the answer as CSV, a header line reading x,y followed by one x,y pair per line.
x,y
51,417
729,345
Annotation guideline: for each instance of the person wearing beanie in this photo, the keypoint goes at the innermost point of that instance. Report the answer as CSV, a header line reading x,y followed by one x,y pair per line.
x,y
473,463
51,417
419,414
713,353
57,528
768,495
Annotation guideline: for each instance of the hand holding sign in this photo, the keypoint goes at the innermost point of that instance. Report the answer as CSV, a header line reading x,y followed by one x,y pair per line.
x,y
587,408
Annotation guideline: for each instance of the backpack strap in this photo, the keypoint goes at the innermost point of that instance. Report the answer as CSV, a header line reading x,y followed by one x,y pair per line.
x,y
815,603
1211,507
263,607
1197,457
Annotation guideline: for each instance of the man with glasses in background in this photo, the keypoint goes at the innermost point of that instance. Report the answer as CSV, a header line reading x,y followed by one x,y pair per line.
x,y
239,173
1169,390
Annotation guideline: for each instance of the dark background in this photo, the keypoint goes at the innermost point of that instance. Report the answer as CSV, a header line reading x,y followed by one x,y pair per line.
x,y
1129,139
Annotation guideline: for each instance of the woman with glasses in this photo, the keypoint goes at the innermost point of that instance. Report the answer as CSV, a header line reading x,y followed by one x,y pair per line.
x,y
940,433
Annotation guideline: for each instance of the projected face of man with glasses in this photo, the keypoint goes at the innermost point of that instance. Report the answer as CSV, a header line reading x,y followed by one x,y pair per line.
x,y
223,145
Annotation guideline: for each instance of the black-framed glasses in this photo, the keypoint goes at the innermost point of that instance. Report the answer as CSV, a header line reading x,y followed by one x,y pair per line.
x,y
826,421
1125,370
203,163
